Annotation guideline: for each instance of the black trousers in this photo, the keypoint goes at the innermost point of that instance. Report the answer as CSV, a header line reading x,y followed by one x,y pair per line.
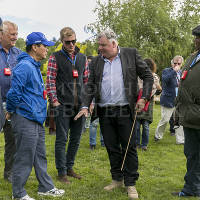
x,y
116,124
192,153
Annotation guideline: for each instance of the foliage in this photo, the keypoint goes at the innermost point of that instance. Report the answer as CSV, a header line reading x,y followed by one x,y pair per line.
x,y
162,168
21,44
159,29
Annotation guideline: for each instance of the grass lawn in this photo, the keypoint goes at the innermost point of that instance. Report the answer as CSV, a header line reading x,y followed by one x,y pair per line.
x,y
162,169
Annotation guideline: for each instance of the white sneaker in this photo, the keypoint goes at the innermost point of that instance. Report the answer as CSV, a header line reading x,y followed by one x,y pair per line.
x,y
53,192
132,192
113,185
23,198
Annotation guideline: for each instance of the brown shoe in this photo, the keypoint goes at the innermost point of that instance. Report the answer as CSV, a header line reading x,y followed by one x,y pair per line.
x,y
113,185
70,172
64,179
132,192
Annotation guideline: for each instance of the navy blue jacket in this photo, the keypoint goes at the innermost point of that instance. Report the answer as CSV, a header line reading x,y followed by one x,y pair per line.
x,y
169,84
7,60
25,96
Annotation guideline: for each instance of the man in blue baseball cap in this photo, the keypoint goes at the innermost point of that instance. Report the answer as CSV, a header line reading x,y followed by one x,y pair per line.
x,y
26,106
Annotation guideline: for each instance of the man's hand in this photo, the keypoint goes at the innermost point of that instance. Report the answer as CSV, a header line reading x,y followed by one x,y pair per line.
x,y
84,111
55,104
8,115
140,105
176,68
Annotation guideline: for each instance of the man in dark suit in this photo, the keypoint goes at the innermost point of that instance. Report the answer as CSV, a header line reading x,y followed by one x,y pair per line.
x,y
113,84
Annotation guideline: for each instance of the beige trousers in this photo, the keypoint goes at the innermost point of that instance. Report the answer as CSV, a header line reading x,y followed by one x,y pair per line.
x,y
166,113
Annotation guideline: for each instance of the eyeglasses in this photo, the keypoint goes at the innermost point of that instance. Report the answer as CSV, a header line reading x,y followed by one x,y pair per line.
x,y
70,41
177,63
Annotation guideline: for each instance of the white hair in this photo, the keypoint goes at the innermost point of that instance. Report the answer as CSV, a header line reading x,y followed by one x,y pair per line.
x,y
177,57
109,34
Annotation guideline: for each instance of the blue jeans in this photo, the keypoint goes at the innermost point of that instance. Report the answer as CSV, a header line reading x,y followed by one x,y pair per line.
x,y
93,133
30,152
145,132
66,124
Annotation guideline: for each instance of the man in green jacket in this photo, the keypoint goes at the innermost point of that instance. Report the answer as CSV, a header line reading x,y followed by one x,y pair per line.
x,y
188,110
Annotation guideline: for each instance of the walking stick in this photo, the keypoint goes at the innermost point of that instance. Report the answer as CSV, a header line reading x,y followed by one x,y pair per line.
x,y
129,141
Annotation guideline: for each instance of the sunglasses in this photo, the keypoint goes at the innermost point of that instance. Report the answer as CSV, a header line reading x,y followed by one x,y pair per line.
x,y
70,41
177,63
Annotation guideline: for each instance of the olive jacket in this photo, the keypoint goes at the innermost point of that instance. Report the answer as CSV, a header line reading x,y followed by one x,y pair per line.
x,y
188,99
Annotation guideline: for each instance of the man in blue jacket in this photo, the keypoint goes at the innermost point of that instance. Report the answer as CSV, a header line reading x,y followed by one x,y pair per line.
x,y
8,60
26,106
170,81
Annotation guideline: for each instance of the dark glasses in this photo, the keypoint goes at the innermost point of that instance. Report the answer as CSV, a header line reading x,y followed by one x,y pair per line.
x,y
70,41
177,63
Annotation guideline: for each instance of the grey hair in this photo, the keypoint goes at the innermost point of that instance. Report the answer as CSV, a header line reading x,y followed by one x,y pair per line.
x,y
177,57
6,25
109,34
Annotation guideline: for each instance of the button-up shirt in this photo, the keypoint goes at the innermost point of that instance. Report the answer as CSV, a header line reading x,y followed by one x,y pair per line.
x,y
7,60
112,87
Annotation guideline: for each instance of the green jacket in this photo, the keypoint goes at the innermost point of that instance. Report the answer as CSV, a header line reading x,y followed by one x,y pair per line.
x,y
188,99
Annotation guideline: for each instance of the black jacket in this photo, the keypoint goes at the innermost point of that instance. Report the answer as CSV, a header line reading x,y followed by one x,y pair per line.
x,y
132,67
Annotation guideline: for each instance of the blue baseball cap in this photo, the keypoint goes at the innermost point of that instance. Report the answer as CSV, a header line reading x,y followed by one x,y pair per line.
x,y
38,38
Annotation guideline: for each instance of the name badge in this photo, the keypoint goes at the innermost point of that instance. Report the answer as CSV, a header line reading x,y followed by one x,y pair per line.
x,y
45,94
184,74
75,73
7,71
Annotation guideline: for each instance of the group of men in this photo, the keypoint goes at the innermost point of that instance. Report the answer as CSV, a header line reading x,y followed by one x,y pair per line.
x,y
110,79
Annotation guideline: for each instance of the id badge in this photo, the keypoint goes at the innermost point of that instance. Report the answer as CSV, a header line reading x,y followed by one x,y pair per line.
x,y
7,71
45,94
75,73
184,74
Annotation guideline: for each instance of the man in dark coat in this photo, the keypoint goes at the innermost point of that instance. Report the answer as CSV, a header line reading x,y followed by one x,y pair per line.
x,y
113,84
188,110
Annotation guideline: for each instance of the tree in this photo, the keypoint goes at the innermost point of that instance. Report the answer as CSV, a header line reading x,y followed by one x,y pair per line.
x,y
159,29
21,44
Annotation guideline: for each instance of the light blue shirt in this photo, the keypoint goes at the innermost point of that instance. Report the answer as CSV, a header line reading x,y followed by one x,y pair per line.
x,y
112,87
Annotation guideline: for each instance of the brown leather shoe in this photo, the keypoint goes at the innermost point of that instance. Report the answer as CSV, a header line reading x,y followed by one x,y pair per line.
x,y
70,172
64,179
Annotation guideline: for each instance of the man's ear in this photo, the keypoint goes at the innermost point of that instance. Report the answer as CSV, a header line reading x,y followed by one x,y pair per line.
x,y
34,46
114,44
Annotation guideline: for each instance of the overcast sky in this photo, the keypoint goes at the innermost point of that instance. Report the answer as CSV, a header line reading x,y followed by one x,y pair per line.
x,y
49,16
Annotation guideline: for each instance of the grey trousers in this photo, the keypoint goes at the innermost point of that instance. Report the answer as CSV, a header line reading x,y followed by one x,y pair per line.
x,y
30,152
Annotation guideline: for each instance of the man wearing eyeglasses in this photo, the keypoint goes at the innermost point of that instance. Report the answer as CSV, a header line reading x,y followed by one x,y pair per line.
x,y
8,60
170,82
66,73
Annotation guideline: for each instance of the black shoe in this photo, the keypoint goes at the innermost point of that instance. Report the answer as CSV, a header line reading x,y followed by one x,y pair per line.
x,y
156,139
92,147
181,194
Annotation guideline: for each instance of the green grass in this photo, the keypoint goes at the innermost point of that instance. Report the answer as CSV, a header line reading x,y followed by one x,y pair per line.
x,y
162,169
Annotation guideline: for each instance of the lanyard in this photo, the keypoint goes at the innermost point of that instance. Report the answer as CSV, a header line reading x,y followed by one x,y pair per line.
x,y
194,61
5,57
68,58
